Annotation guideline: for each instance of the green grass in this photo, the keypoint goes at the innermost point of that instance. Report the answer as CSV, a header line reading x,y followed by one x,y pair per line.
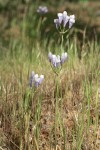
x,y
60,115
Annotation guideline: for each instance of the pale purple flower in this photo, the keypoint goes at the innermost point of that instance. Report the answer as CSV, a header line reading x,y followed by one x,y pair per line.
x,y
71,20
60,17
32,78
63,57
50,56
53,60
57,23
41,79
36,80
63,18
57,60
42,9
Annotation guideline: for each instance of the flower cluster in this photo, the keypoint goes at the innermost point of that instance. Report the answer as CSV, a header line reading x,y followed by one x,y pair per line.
x,y
57,60
35,79
63,18
42,9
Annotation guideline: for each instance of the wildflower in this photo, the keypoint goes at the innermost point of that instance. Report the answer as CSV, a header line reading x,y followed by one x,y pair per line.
x,y
71,20
57,60
63,57
38,80
42,9
50,56
32,78
35,79
57,23
63,18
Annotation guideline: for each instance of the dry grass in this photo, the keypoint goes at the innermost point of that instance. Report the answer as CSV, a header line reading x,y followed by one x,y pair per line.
x,y
77,87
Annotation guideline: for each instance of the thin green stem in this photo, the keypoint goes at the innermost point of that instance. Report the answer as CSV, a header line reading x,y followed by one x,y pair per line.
x,y
62,40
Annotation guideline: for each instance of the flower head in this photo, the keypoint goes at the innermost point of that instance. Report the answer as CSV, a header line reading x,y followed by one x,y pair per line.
x,y
35,79
57,60
42,9
63,19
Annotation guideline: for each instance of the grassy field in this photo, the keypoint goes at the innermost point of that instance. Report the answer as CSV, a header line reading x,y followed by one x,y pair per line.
x,y
63,113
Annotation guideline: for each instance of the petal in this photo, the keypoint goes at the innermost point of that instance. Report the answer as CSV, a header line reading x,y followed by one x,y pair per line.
x,y
42,9
35,77
63,57
54,60
31,78
72,17
41,79
60,17
54,57
66,55
65,20
50,56
70,24
56,21
64,13
36,84
32,74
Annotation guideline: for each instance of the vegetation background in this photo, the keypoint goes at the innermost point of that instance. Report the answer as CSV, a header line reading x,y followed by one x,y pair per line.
x,y
50,118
